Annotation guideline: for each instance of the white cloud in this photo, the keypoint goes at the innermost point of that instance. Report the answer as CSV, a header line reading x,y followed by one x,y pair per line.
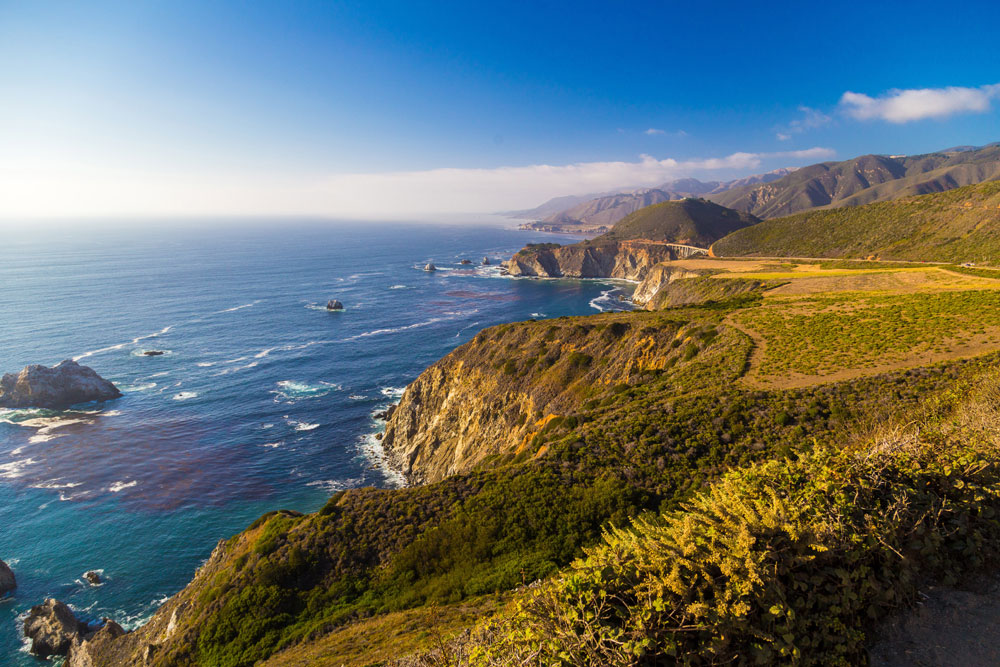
x,y
654,131
810,120
903,106
394,195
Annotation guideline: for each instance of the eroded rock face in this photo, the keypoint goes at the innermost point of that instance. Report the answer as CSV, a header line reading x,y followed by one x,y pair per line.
x,y
7,580
58,387
657,278
86,653
53,628
629,260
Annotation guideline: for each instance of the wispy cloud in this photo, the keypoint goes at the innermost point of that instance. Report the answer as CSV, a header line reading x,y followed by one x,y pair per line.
x,y
903,106
392,195
654,131
810,119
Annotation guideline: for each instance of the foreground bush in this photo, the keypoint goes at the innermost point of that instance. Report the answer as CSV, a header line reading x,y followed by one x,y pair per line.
x,y
784,562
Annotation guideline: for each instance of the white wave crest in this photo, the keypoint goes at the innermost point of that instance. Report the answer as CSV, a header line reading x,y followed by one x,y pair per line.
x,y
185,395
121,486
134,341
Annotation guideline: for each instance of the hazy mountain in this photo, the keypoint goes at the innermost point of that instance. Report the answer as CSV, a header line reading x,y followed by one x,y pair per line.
x,y
597,214
863,180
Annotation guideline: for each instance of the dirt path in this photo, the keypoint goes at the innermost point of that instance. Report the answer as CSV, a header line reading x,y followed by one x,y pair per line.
x,y
949,628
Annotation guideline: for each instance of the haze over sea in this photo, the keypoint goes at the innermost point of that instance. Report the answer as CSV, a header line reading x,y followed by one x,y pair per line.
x,y
262,399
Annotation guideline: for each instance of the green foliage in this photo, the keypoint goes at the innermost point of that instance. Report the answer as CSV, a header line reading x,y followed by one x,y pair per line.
x,y
692,221
789,561
826,334
960,225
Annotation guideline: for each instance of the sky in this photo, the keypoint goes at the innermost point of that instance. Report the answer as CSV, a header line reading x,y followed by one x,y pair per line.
x,y
405,110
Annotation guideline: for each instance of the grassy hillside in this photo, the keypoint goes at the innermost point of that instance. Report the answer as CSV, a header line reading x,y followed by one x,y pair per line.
x,y
960,225
690,221
863,180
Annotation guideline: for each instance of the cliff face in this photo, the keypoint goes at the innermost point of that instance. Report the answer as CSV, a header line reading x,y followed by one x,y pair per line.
x,y
628,260
491,396
657,278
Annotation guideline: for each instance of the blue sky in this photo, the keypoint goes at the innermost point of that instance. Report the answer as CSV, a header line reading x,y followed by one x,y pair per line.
x,y
165,108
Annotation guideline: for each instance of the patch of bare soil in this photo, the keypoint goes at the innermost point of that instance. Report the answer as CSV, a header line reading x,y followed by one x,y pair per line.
x,y
949,627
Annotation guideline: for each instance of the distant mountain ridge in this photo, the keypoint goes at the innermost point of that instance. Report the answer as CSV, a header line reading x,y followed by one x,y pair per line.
x,y
863,180
596,214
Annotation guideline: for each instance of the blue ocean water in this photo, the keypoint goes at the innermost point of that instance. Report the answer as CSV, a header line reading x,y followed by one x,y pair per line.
x,y
261,400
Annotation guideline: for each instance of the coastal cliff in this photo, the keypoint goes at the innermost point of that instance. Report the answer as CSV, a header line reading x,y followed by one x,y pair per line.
x,y
488,399
662,232
628,260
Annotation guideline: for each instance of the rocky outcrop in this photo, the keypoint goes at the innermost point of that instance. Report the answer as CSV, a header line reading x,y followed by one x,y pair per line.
x,y
333,304
86,653
430,267
58,387
53,628
7,580
93,577
628,260
659,277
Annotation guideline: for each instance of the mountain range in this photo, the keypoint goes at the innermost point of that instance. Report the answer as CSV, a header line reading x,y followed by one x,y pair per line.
x,y
597,213
861,180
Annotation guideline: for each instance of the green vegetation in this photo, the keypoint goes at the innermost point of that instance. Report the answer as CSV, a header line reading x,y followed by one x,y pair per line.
x,y
790,561
961,225
824,335
538,247
692,221
694,291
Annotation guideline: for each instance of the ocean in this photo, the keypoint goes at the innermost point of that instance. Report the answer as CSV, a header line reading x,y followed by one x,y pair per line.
x,y
262,399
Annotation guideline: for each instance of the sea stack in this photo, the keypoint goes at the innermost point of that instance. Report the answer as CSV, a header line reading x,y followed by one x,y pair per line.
x,y
486,261
430,267
58,387
53,628
7,580
333,304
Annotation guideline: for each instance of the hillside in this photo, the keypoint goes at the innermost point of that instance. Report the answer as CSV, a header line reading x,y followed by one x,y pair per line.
x,y
959,225
635,243
633,455
595,214
863,180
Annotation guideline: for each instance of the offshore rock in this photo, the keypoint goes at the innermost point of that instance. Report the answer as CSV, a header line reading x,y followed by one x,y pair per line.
x,y
430,267
486,261
53,628
93,577
333,304
7,580
153,353
58,387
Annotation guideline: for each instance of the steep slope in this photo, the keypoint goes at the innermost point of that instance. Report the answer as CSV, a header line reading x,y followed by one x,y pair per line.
x,y
865,179
639,241
958,225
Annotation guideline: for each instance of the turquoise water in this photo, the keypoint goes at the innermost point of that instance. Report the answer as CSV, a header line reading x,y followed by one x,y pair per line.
x,y
262,400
